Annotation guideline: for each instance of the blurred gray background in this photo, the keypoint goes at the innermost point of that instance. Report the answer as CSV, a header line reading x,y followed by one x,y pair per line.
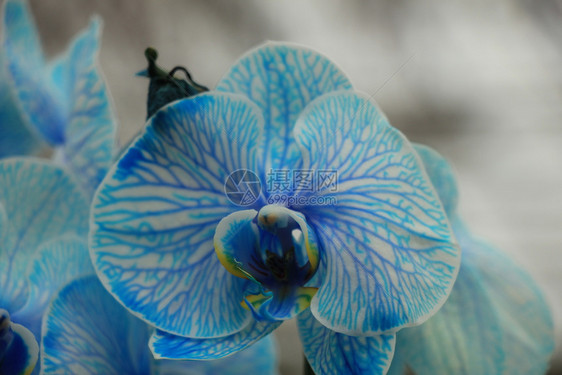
x,y
480,81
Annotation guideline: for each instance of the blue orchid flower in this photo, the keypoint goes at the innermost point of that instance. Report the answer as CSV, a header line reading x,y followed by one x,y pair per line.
x,y
43,226
495,321
86,331
180,236
63,103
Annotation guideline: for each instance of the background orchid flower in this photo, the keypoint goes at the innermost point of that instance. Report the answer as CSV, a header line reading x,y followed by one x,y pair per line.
x,y
215,277
495,321
43,226
63,103
86,331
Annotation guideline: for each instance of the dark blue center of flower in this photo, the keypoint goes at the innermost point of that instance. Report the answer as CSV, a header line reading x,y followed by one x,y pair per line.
x,y
6,334
281,259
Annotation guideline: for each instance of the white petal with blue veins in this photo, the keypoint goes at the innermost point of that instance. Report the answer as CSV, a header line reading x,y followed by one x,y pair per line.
x,y
164,345
389,258
329,352
282,79
155,214
260,358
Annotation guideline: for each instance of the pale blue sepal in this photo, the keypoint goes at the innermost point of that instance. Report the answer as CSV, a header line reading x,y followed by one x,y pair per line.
x,y
40,202
495,321
66,101
56,262
20,32
463,338
154,216
329,352
390,258
282,79
259,358
21,355
16,137
26,67
524,316
14,289
85,331
90,127
165,345
441,175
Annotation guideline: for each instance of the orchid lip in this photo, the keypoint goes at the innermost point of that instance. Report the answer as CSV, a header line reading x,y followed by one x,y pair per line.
x,y
277,250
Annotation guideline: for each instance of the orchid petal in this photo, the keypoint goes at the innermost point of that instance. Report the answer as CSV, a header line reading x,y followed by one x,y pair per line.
x,y
90,122
15,289
155,214
16,137
56,262
525,319
40,203
282,79
259,358
25,65
21,354
21,34
85,331
442,177
236,242
495,321
389,256
165,345
463,337
329,352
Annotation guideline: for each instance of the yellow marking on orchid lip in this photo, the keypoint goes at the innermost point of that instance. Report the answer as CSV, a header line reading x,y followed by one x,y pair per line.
x,y
311,251
304,296
229,262
256,300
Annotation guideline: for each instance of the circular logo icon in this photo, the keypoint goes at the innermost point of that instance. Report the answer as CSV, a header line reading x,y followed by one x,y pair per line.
x,y
242,187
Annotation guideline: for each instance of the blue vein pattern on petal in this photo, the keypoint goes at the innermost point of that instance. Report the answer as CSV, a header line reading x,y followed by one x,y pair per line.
x,y
85,331
21,356
90,129
389,255
56,262
155,214
41,202
165,345
27,73
259,358
16,137
282,79
329,352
